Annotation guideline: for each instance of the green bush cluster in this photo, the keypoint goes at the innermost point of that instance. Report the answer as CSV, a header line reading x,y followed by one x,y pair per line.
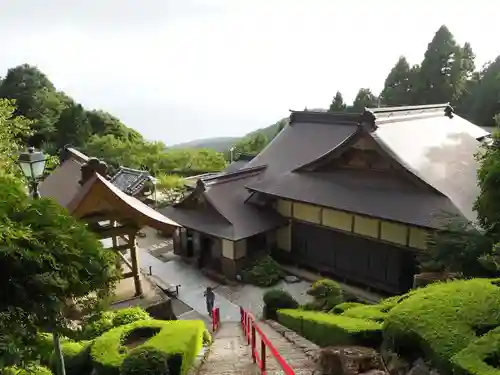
x,y
277,299
327,329
451,324
326,293
443,319
264,272
180,340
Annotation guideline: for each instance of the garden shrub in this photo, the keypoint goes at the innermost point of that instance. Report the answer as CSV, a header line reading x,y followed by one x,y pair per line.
x,y
181,339
76,358
44,347
32,370
327,294
129,315
264,272
145,361
327,329
277,299
96,325
440,320
481,357
370,312
341,307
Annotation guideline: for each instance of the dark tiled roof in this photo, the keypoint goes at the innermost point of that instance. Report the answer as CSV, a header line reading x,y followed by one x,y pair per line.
x,y
299,142
435,146
129,180
367,193
235,166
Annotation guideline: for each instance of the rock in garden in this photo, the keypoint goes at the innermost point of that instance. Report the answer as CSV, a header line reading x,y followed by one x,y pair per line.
x,y
291,279
350,360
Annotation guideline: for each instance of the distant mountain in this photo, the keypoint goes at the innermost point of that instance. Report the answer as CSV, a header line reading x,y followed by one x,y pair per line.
x,y
224,143
218,144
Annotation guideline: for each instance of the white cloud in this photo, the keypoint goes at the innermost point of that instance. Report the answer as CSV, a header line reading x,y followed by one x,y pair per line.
x,y
177,70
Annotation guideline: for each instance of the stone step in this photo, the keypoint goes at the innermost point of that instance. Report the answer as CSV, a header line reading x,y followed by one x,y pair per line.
x,y
229,353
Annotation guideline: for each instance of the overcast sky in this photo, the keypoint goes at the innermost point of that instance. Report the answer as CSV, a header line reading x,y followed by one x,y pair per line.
x,y
177,70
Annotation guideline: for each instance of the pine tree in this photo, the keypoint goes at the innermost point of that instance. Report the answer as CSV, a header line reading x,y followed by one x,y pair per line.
x,y
398,87
445,69
338,104
364,99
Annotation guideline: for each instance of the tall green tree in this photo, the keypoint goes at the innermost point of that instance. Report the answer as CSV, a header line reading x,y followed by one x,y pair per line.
x,y
487,204
399,84
338,104
364,99
73,126
252,144
445,69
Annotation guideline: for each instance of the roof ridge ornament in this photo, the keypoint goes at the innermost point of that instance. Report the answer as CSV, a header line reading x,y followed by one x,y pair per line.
x,y
91,167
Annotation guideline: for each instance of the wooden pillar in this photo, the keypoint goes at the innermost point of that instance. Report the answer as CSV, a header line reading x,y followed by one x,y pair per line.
x,y
135,265
114,239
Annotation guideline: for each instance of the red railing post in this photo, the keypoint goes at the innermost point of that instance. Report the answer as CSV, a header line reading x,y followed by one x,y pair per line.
x,y
249,328
253,344
215,319
263,355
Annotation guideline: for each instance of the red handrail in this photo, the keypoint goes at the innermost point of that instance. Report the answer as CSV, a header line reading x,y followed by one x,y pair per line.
x,y
251,329
215,319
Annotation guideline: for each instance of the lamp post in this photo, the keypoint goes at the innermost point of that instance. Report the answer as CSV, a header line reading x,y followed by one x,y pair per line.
x,y
32,164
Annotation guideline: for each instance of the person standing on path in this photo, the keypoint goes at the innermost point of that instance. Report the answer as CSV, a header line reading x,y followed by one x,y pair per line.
x,y
210,297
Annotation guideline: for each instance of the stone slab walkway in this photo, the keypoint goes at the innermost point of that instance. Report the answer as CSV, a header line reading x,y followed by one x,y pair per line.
x,y
193,285
229,354
294,356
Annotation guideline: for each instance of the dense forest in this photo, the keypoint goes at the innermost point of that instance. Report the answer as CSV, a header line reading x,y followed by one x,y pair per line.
x,y
447,73
56,120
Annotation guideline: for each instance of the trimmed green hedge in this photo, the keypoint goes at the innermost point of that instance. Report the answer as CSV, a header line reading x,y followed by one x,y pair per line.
x,y
327,329
97,324
439,321
276,299
473,359
341,307
76,358
177,338
370,312
264,272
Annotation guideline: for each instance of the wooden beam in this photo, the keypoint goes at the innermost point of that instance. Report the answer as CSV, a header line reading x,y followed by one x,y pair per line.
x,y
125,260
109,231
127,275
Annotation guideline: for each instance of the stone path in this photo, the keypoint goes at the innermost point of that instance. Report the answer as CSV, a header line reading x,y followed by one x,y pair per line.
x,y
229,354
193,285
294,356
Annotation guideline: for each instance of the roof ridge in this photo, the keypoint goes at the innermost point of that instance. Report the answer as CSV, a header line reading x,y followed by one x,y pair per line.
x,y
385,115
231,176
333,118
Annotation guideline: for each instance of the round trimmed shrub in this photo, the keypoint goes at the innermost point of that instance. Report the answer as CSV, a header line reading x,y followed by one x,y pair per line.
x,y
76,358
96,325
264,272
326,293
129,315
276,299
145,361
